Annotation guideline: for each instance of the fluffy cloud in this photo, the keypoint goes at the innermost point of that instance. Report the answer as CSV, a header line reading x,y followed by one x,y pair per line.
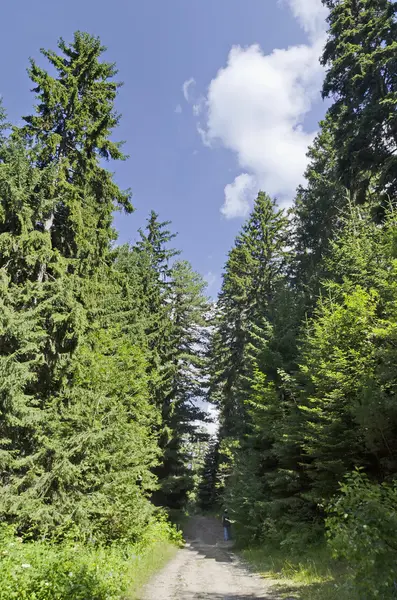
x,y
238,195
256,106
311,15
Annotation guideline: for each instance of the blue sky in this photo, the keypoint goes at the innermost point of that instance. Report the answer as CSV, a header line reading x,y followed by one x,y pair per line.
x,y
205,125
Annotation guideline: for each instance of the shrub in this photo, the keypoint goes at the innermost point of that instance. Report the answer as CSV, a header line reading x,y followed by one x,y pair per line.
x,y
72,571
362,528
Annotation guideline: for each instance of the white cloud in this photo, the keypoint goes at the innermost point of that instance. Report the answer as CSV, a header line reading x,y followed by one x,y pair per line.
x,y
178,109
311,15
186,88
256,107
238,195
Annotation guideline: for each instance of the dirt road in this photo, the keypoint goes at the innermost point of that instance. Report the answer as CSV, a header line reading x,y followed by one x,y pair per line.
x,y
206,569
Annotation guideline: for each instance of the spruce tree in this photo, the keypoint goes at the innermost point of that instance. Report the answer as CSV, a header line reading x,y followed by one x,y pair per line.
x,y
208,493
173,312
317,213
77,444
301,369
247,354
154,258
360,57
252,272
181,413
347,403
3,123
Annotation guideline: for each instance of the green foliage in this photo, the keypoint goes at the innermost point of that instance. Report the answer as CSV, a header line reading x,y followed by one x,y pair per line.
x,y
360,57
106,357
185,368
173,311
337,358
254,344
101,350
252,274
44,571
77,437
361,526
208,494
316,215
303,352
349,413
323,404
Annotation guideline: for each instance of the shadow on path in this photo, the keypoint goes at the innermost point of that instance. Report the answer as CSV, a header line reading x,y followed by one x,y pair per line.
x,y
212,552
209,596
207,569
205,536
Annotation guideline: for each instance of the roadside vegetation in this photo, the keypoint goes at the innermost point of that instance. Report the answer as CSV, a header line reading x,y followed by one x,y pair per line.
x,y
304,347
39,570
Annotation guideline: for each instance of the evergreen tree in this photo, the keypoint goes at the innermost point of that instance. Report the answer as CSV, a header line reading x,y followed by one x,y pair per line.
x,y
75,440
173,311
254,267
28,350
360,56
208,494
317,213
245,348
71,131
350,417
186,367
195,451
154,257
3,123
303,349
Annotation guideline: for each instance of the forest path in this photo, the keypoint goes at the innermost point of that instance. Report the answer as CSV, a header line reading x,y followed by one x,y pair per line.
x,y
206,569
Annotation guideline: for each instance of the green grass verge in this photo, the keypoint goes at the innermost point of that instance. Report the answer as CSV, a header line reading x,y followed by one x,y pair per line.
x,y
309,575
147,565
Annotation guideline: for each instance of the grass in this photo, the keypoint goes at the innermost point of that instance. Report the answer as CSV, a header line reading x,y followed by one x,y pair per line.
x,y
147,565
309,575
40,570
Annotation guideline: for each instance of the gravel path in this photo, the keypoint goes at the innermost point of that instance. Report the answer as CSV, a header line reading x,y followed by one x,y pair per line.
x,y
206,569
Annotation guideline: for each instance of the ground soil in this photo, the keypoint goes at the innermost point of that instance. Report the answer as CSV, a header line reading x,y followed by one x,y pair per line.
x,y
207,569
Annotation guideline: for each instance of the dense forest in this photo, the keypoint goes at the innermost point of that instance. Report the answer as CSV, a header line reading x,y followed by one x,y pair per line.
x,y
303,355
101,346
108,351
